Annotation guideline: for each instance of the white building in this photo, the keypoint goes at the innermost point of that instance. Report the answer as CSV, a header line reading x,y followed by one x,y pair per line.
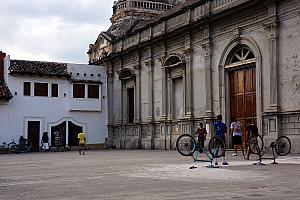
x,y
48,96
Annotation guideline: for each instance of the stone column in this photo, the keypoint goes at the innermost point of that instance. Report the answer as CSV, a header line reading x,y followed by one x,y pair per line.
x,y
164,93
137,109
121,117
149,63
271,26
207,52
207,49
110,100
272,29
169,97
163,82
189,79
184,94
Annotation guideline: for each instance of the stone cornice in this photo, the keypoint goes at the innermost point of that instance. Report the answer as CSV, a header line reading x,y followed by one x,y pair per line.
x,y
195,12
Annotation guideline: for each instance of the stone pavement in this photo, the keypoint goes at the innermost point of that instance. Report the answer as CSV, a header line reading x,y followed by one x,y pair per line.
x,y
142,175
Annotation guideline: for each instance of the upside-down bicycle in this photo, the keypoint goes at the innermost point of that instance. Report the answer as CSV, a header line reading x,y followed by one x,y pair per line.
x,y
187,146
281,147
8,147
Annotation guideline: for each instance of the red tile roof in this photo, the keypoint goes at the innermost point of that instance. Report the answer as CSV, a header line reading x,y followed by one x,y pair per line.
x,y
5,94
38,68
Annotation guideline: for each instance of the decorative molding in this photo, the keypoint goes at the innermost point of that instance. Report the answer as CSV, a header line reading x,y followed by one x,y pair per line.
x,y
206,47
272,30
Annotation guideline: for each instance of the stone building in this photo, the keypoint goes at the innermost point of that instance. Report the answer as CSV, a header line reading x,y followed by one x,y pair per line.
x,y
174,64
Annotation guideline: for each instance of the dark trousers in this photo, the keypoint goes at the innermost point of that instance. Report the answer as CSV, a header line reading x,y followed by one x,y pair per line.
x,y
201,143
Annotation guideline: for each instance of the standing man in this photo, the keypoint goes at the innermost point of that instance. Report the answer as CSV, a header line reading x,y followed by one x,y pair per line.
x,y
252,133
220,130
45,142
57,140
236,131
201,133
82,141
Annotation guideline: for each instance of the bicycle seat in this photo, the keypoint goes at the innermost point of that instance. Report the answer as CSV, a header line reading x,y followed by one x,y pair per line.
x,y
3,143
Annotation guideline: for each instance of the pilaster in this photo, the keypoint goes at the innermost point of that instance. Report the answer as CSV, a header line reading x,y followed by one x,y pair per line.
x,y
137,109
188,52
163,81
110,96
149,65
272,30
207,49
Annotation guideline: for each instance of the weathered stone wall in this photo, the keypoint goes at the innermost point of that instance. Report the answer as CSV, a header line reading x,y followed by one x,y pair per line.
x,y
289,63
206,45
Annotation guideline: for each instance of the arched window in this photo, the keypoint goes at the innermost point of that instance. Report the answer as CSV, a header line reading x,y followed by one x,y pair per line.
x,y
172,61
241,56
126,74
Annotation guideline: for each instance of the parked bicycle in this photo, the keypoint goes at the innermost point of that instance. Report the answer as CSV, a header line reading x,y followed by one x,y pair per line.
x,y
8,147
281,147
24,147
186,145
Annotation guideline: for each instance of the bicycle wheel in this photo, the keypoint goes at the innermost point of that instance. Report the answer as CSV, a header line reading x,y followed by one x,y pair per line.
x,y
186,145
2,148
28,146
11,144
216,147
256,144
283,146
12,147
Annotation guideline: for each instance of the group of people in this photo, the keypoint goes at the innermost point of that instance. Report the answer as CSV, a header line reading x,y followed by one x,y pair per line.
x,y
58,141
220,130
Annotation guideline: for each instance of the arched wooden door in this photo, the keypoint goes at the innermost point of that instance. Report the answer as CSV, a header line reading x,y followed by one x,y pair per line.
x,y
242,78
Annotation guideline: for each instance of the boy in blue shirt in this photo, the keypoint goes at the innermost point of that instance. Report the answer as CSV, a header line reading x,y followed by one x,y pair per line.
x,y
220,130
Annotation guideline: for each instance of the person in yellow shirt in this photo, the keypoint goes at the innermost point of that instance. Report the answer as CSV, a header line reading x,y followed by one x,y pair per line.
x,y
81,140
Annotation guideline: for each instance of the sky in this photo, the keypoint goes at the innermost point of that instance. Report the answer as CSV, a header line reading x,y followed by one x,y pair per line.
x,y
52,30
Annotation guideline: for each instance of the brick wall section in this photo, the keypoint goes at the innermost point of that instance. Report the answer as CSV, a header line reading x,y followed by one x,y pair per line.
x,y
290,124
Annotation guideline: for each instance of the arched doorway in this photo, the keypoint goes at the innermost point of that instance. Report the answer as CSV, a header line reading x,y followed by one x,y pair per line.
x,y
73,133
69,129
241,68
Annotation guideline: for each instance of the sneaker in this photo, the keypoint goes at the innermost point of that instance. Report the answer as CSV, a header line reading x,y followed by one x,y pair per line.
x,y
225,163
234,154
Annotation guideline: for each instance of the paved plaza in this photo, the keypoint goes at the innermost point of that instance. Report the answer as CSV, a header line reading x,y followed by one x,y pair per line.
x,y
142,175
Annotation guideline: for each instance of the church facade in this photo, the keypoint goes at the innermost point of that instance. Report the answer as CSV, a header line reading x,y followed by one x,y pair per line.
x,y
174,64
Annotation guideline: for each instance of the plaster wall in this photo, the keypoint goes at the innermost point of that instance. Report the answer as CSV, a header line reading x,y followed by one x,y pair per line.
x,y
51,110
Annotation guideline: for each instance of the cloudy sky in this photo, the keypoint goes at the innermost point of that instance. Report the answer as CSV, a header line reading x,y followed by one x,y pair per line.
x,y
52,30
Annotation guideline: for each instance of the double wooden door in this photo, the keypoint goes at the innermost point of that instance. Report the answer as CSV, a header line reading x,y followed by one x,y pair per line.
x,y
243,96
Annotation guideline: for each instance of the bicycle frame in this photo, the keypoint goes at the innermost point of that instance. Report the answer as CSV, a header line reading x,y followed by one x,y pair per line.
x,y
262,153
197,152
274,145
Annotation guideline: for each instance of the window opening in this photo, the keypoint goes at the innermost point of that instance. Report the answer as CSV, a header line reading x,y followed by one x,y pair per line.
x,y
242,55
41,89
93,91
26,88
54,90
130,101
78,90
